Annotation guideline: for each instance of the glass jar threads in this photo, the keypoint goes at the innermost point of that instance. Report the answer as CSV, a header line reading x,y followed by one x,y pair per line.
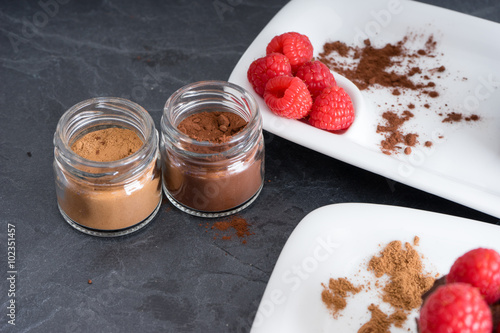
x,y
110,195
212,149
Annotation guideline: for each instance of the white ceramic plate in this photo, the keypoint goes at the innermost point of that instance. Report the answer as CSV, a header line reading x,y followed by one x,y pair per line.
x,y
337,241
464,165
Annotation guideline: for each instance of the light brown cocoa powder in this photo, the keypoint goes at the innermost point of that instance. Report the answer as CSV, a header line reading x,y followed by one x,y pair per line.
x,y
400,69
407,281
215,127
334,295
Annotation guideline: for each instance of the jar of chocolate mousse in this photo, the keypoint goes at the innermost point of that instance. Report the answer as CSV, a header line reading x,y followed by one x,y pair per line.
x,y
212,149
107,167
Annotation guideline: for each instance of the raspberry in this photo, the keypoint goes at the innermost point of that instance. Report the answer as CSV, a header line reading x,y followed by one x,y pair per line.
x,y
481,269
288,97
316,76
265,68
455,308
332,110
296,47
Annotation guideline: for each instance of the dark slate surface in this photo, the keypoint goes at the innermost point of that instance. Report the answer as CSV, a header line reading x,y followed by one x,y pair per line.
x,y
172,276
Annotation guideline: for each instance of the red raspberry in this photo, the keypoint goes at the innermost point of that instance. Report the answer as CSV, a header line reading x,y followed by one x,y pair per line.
x,y
316,76
296,47
455,308
481,269
332,110
265,68
288,97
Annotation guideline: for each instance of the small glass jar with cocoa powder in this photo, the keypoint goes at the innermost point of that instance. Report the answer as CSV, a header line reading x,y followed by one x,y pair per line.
x,y
212,149
107,167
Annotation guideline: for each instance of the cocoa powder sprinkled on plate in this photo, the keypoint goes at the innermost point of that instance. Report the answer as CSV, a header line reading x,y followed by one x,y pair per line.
x,y
215,127
406,284
381,322
335,293
455,117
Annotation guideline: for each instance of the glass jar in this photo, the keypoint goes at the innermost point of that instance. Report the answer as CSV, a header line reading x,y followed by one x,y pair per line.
x,y
107,198
209,179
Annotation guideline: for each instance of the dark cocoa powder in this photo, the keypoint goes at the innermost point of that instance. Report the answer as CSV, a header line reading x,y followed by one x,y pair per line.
x,y
397,68
381,322
377,66
403,291
335,293
454,117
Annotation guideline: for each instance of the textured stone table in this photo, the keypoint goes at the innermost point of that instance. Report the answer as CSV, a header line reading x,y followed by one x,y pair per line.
x,y
172,276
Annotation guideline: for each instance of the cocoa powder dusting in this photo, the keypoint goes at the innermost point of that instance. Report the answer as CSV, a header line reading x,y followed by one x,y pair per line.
x,y
395,139
398,68
404,268
403,292
215,127
235,224
473,117
452,117
334,295
376,66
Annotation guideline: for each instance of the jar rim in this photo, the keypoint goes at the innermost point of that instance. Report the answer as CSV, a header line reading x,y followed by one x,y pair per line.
x,y
255,119
61,138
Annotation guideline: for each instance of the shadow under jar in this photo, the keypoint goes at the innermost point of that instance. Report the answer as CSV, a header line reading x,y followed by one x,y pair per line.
x,y
110,198
212,179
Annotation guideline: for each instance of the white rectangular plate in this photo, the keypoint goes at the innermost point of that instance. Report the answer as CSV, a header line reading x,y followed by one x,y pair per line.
x,y
338,241
464,165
